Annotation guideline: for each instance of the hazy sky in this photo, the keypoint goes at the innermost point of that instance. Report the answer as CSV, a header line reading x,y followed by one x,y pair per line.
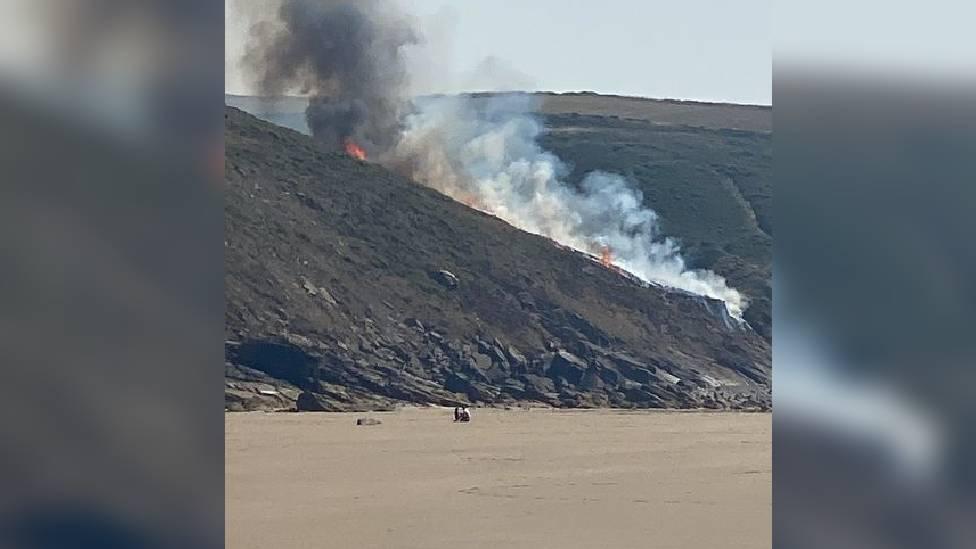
x,y
712,50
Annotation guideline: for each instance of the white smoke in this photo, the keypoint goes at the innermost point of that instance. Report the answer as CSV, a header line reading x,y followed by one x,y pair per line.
x,y
484,152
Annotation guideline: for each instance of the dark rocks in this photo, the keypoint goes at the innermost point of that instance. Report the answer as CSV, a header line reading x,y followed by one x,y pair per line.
x,y
608,375
483,346
481,392
497,356
482,362
413,323
629,365
279,360
475,369
458,382
313,402
526,301
515,358
513,388
591,381
567,365
641,395
497,373
537,387
445,278
642,375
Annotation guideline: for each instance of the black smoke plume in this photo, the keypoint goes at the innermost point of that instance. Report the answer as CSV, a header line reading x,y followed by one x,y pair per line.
x,y
347,56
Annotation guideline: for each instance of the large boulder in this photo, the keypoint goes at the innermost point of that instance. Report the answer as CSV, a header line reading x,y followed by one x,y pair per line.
x,y
626,363
515,358
642,375
445,278
567,365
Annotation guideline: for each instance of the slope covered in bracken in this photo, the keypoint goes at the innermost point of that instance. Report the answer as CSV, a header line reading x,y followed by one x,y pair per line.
x,y
350,287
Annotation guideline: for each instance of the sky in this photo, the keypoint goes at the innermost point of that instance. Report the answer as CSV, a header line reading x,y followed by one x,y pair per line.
x,y
706,50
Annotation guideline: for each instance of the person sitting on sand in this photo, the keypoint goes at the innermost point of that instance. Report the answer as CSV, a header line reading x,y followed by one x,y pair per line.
x,y
457,413
465,414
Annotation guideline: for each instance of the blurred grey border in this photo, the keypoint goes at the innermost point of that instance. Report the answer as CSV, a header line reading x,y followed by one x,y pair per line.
x,y
874,274
112,279
111,321
874,289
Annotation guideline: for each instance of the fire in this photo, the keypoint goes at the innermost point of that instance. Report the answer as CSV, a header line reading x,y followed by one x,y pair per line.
x,y
468,200
606,256
355,150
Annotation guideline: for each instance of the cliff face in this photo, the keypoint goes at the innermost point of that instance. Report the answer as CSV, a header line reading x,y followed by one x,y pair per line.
x,y
349,287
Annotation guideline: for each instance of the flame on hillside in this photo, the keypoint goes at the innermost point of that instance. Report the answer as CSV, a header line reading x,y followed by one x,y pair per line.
x,y
354,150
606,256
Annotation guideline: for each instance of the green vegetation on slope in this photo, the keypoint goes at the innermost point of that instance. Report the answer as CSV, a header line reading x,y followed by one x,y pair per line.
x,y
711,188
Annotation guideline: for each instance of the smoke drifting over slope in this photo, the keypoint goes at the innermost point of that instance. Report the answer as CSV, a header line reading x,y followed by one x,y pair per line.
x,y
349,56
488,157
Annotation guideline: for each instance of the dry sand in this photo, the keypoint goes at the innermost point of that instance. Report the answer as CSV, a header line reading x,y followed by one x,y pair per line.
x,y
512,479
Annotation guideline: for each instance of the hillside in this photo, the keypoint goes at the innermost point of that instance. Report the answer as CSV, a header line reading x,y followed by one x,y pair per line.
x,y
705,168
349,287
712,189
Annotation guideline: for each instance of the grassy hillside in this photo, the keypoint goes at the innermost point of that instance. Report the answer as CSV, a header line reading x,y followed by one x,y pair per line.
x,y
711,188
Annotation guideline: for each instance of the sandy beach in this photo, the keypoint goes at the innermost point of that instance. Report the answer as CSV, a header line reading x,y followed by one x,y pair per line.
x,y
513,479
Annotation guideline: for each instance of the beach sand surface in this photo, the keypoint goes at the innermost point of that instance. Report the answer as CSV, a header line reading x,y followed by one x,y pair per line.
x,y
511,478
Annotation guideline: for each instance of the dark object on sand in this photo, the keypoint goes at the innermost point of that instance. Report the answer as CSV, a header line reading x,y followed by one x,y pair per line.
x,y
368,421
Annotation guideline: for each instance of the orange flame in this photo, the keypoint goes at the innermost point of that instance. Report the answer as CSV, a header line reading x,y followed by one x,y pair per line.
x,y
606,256
355,150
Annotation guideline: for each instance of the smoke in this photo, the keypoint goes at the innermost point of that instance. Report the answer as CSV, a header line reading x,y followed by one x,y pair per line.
x,y
346,55
350,57
485,153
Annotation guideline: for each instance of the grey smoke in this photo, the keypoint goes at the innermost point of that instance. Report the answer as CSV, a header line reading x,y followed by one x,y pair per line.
x,y
485,153
346,55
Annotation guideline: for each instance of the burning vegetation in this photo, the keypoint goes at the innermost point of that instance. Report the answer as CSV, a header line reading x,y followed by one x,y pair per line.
x,y
354,150
606,256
